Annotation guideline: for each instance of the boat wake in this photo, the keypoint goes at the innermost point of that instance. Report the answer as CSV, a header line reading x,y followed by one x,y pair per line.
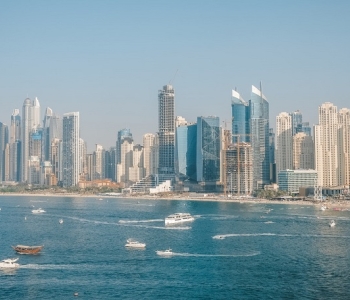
x,y
159,227
220,217
223,236
140,221
215,255
46,267
37,201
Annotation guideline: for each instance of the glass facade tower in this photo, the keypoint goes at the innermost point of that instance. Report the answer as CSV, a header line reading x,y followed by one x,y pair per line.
x,y
185,151
70,149
240,119
208,149
166,125
259,127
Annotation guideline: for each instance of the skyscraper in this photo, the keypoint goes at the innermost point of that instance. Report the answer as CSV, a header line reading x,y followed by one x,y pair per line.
x,y
122,134
3,143
26,129
240,118
166,123
98,163
15,127
208,149
148,143
35,114
185,151
344,146
46,141
70,149
259,129
284,142
326,145
297,121
303,151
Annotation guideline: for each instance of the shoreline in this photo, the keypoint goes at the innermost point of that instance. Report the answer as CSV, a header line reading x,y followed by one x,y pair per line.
x,y
336,203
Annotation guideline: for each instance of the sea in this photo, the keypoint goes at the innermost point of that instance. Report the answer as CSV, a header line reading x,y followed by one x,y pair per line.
x,y
231,250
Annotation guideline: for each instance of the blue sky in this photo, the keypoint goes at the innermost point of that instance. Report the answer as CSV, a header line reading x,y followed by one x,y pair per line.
x,y
108,59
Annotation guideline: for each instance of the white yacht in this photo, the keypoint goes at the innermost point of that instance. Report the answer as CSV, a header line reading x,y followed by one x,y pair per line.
x,y
178,218
60,221
332,223
131,243
9,263
166,252
38,211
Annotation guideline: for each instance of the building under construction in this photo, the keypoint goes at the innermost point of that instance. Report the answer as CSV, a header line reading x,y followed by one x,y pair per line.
x,y
239,168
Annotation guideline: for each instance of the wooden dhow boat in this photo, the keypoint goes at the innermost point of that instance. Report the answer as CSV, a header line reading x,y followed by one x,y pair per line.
x,y
23,249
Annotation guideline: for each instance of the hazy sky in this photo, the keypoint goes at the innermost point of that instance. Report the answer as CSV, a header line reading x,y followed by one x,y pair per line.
x,y
108,59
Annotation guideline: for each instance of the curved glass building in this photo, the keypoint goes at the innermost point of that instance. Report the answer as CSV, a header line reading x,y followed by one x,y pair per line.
x,y
240,119
259,129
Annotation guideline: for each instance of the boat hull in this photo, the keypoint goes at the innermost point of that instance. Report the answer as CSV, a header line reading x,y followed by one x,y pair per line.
x,y
21,249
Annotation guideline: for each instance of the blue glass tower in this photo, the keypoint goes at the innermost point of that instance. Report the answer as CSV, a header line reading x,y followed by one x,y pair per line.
x,y
297,120
240,119
259,128
208,149
185,151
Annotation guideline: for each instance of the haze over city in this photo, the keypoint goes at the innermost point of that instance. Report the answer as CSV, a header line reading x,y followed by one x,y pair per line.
x,y
108,59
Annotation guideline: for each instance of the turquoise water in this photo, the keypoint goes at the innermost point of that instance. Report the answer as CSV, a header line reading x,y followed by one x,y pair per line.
x,y
288,252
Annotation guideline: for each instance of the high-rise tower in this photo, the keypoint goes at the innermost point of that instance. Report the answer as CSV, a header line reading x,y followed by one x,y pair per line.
x,y
148,143
35,119
208,149
26,129
15,127
297,121
240,118
326,145
166,123
284,142
70,149
259,130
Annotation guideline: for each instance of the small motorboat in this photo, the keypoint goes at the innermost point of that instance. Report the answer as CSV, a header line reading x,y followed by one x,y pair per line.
x,y
131,243
323,207
9,263
166,252
38,211
332,223
60,221
22,249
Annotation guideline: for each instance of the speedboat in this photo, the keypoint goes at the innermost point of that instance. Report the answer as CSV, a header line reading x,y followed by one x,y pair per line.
x,y
332,223
131,243
22,249
178,218
9,263
38,211
323,207
166,252
60,221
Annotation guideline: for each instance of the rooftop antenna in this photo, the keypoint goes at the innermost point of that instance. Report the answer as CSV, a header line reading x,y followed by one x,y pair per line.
x,y
171,80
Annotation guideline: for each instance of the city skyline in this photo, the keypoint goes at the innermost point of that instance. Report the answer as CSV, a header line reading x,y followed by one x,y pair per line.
x,y
107,60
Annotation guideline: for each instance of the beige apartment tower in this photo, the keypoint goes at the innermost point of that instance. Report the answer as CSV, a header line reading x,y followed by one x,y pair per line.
x,y
303,152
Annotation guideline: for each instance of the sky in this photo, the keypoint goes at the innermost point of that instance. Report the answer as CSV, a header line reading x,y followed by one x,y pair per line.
x,y
108,59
